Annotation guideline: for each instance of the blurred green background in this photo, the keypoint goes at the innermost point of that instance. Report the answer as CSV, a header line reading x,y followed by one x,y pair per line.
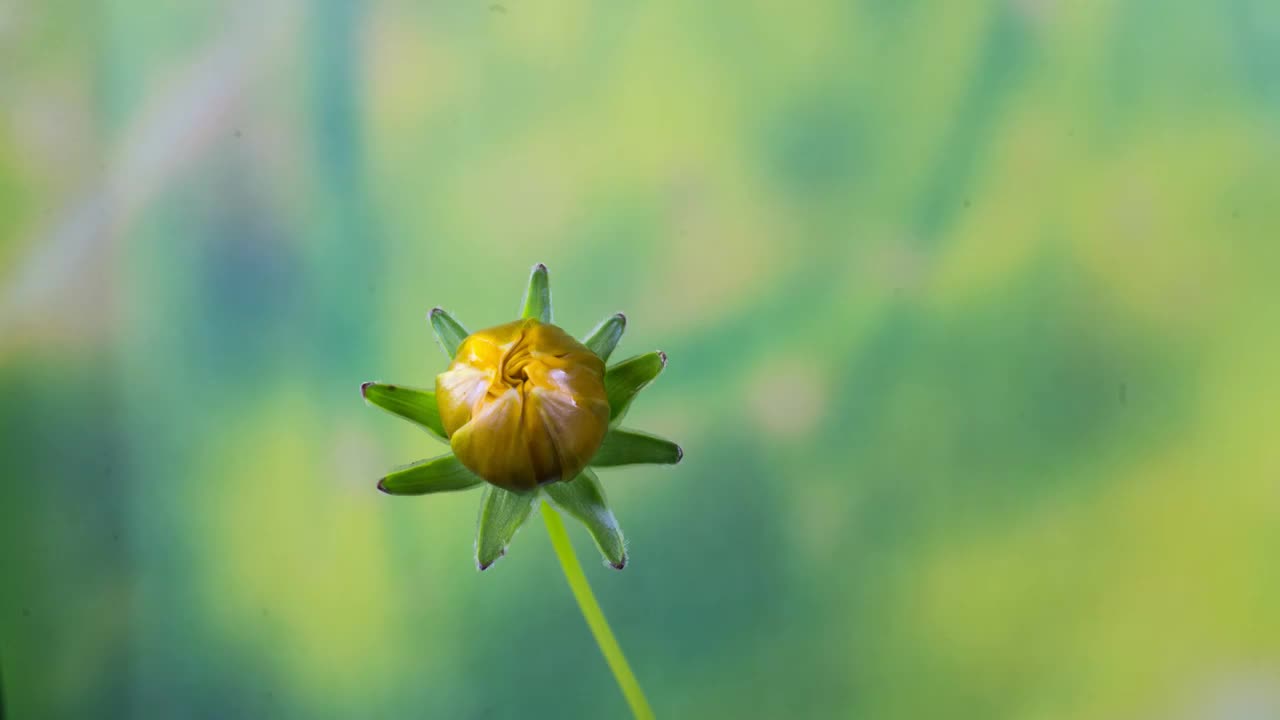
x,y
971,309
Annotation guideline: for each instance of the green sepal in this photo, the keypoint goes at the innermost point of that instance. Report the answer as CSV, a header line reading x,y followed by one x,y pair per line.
x,y
502,512
624,381
605,337
440,474
632,447
416,406
537,300
449,332
583,498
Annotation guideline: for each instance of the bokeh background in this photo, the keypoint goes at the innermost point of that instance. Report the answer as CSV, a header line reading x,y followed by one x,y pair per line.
x,y
971,309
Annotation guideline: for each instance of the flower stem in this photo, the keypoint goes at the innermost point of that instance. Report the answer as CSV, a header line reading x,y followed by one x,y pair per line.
x,y
594,616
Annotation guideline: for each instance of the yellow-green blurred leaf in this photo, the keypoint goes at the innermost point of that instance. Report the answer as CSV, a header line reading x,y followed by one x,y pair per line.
x,y
440,474
604,338
502,512
537,300
583,498
412,404
449,332
624,381
632,447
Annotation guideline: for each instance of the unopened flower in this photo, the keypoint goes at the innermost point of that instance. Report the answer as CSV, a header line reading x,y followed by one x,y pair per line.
x,y
530,411
524,404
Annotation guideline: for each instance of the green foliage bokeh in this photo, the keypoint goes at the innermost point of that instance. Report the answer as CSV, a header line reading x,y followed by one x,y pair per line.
x,y
970,310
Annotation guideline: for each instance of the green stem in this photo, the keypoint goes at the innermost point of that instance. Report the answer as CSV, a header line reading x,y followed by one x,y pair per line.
x,y
594,615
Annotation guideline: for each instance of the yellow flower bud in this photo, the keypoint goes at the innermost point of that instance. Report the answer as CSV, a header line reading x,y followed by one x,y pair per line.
x,y
524,404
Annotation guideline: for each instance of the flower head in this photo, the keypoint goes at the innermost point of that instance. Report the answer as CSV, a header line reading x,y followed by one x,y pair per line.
x,y
528,411
524,404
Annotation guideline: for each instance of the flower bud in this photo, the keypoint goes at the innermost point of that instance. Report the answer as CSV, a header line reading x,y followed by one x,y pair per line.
x,y
524,404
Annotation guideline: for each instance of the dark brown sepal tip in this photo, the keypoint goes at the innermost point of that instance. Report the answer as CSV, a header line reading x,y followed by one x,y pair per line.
x,y
364,387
